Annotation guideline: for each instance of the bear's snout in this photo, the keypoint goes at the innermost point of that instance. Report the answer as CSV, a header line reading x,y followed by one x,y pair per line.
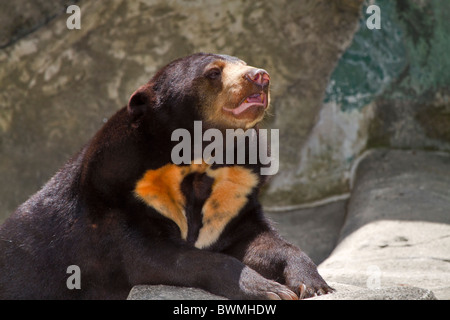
x,y
259,77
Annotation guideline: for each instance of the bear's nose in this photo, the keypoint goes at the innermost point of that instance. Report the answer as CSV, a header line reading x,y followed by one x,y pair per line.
x,y
259,76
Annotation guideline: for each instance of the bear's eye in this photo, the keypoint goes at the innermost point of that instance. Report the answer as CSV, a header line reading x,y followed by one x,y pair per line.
x,y
213,73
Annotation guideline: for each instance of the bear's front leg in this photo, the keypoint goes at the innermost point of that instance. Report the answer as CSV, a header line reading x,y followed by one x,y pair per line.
x,y
276,259
169,264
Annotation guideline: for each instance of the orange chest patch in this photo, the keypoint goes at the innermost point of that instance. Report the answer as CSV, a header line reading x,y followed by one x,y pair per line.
x,y
161,189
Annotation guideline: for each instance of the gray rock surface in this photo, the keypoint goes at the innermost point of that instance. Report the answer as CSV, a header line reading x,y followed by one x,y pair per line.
x,y
392,253
400,185
170,293
22,17
389,293
344,292
397,231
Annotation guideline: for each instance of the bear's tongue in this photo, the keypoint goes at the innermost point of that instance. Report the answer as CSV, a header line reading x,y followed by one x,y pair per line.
x,y
257,99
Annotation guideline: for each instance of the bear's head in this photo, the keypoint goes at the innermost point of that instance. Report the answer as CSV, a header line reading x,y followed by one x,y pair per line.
x,y
220,90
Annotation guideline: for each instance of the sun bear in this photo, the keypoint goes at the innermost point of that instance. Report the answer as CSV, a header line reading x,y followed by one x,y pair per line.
x,y
125,214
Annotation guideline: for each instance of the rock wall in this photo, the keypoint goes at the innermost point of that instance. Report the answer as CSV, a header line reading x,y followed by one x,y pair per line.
x,y
390,89
60,85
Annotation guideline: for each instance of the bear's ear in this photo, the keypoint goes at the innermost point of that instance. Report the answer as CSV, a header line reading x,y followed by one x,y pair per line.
x,y
140,101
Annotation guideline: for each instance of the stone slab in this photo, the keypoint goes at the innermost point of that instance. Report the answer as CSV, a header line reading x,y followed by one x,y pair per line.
x,y
397,230
344,292
161,292
389,293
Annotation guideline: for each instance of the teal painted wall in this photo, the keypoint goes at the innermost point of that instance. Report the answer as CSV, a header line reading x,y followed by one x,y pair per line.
x,y
407,58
